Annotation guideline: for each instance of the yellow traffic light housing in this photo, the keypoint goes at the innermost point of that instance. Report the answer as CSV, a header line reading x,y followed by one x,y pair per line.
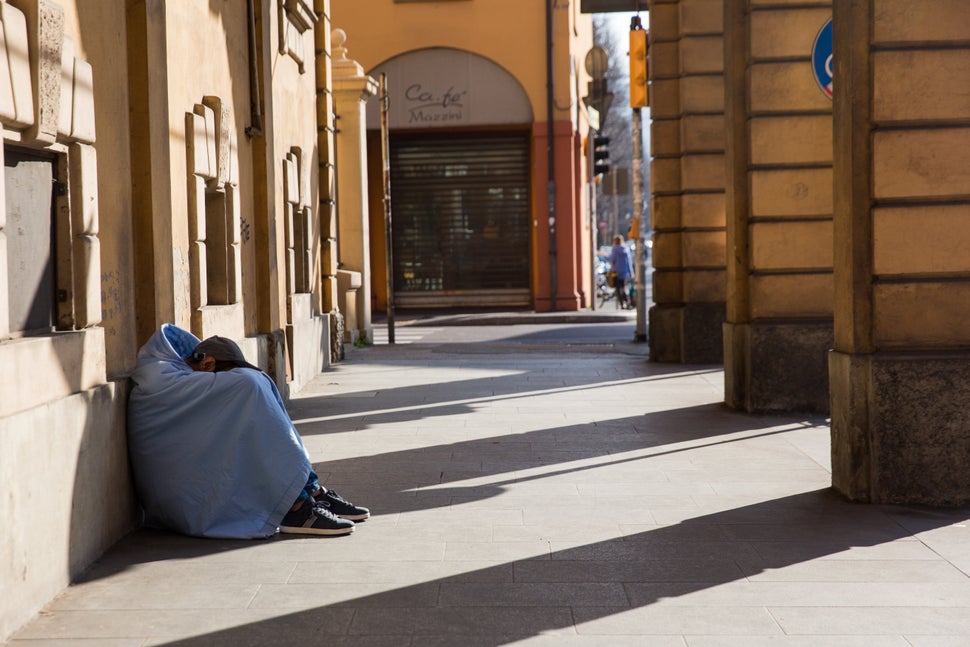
x,y
601,155
638,69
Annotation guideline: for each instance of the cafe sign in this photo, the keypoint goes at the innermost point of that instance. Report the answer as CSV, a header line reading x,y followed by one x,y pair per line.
x,y
442,87
425,106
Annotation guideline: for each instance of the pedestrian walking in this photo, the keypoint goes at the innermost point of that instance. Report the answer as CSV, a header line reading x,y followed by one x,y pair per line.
x,y
622,267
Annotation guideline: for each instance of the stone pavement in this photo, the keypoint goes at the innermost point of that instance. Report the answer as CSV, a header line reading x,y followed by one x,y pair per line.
x,y
531,491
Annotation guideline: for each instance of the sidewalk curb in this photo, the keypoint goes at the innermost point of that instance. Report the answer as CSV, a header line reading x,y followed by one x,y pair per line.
x,y
510,318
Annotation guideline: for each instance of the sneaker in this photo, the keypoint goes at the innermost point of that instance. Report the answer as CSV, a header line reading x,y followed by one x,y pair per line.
x,y
341,506
314,520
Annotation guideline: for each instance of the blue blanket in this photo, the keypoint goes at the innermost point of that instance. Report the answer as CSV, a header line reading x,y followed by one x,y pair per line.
x,y
213,454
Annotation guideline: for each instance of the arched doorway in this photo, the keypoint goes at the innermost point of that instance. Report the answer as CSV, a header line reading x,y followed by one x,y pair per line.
x,y
460,153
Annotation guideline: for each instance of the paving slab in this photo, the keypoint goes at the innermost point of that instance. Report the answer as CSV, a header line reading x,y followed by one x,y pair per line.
x,y
537,481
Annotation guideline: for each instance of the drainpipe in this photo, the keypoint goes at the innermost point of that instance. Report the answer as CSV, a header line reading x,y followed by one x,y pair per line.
x,y
255,129
551,186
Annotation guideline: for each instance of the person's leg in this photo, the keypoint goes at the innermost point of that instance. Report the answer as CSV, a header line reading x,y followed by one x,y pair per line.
x,y
312,486
307,493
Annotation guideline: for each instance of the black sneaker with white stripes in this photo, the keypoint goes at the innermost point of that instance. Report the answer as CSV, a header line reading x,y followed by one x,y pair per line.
x,y
312,519
341,506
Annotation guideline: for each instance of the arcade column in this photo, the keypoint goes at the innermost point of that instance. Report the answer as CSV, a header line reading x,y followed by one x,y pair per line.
x,y
351,91
900,369
687,180
779,206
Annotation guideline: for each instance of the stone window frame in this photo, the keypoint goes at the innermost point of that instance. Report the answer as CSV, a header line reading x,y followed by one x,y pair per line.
x,y
298,226
296,18
214,218
47,105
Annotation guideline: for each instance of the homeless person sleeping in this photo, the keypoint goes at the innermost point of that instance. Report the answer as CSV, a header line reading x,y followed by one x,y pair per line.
x,y
214,452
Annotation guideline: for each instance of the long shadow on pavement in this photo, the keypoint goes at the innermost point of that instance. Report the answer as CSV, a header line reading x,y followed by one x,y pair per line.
x,y
651,579
651,582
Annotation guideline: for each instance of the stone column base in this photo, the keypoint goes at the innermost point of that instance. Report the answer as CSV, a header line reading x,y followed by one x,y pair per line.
x,y
348,283
686,334
308,340
901,427
771,366
336,337
570,302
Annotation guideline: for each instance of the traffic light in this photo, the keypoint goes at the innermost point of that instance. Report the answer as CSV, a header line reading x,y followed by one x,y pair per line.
x,y
601,155
638,69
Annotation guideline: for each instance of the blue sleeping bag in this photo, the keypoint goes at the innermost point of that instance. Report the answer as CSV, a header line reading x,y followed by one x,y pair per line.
x,y
213,454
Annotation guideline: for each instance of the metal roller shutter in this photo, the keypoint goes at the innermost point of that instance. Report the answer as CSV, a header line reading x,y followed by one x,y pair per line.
x,y
461,220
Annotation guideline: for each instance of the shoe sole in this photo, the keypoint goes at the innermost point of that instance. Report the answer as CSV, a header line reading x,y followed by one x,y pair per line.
x,y
300,530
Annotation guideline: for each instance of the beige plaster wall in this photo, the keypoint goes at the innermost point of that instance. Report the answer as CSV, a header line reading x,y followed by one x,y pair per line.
x,y
292,114
216,34
66,496
63,457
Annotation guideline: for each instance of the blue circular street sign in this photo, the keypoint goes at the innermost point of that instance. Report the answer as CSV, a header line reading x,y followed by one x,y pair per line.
x,y
822,58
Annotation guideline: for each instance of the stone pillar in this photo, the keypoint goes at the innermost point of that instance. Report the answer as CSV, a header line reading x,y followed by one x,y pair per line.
x,y
779,209
900,371
328,298
325,144
351,90
687,179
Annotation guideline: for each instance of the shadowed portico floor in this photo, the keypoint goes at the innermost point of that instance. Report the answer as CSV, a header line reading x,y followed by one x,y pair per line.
x,y
535,492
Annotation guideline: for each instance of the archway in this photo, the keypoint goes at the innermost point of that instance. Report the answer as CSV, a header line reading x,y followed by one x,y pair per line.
x,y
460,180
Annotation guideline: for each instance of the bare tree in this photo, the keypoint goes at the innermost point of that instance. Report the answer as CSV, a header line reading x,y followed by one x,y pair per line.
x,y
615,211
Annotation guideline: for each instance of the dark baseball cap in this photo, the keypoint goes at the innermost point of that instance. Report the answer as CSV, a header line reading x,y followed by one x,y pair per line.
x,y
221,349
